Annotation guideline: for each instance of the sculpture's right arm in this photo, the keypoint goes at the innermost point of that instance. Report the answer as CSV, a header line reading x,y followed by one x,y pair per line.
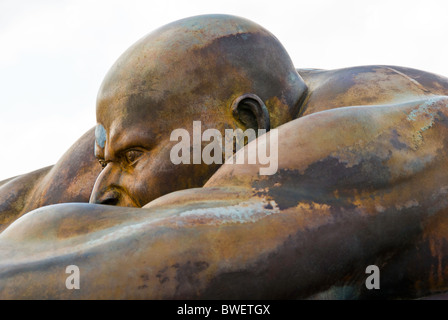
x,y
355,186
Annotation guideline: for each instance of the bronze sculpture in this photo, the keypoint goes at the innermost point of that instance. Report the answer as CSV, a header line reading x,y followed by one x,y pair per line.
x,y
361,180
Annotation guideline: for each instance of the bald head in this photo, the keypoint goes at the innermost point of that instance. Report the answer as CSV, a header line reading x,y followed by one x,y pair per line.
x,y
199,62
203,68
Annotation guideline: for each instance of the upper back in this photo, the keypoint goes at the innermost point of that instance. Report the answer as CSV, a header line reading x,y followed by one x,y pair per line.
x,y
367,85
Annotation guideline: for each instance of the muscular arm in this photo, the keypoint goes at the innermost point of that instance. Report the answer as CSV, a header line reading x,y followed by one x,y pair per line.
x,y
368,86
71,179
355,186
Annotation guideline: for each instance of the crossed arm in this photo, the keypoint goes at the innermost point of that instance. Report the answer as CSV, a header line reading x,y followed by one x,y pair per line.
x,y
355,186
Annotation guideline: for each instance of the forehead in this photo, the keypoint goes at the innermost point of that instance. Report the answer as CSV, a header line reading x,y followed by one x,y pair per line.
x,y
163,84
130,112
162,105
158,76
130,95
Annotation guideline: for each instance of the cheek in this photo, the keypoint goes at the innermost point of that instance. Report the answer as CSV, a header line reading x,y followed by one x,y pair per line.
x,y
162,177
169,177
156,176
152,177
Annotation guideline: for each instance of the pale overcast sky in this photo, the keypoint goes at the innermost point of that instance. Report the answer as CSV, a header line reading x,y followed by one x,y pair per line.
x,y
54,53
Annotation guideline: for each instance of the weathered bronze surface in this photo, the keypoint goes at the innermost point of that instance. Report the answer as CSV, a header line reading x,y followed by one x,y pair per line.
x,y
362,180
71,179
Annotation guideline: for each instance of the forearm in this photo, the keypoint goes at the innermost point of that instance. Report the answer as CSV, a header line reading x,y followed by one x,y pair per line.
x,y
237,251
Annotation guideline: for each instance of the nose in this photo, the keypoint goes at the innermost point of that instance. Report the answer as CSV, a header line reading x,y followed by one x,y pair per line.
x,y
104,191
111,198
111,189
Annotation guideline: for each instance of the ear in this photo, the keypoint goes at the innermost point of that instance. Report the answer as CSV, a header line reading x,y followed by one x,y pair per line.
x,y
251,111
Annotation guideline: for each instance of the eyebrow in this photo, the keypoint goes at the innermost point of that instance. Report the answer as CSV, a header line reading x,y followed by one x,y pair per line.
x,y
129,141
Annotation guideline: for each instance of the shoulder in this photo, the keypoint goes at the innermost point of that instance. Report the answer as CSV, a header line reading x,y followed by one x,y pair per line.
x,y
368,85
71,179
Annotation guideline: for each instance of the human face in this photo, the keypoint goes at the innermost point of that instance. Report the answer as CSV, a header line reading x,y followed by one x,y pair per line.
x,y
163,82
137,167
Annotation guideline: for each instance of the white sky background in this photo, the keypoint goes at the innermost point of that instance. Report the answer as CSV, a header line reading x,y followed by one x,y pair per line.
x,y
54,54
